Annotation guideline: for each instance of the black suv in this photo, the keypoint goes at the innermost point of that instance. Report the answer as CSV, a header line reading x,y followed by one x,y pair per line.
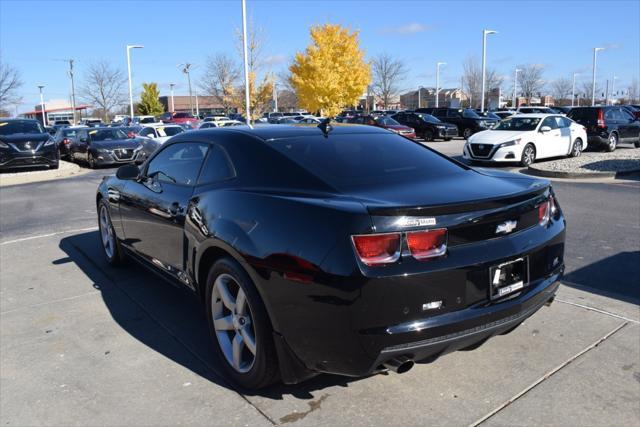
x,y
426,126
607,125
25,143
466,120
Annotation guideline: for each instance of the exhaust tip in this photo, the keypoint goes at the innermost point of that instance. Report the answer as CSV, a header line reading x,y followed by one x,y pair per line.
x,y
399,365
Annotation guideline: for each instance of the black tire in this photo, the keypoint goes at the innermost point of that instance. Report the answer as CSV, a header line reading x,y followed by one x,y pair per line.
x,y
116,256
264,368
612,142
528,155
576,149
56,165
428,135
637,143
91,161
466,133
448,139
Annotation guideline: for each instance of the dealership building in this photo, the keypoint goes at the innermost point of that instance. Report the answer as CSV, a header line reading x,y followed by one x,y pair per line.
x,y
201,104
56,109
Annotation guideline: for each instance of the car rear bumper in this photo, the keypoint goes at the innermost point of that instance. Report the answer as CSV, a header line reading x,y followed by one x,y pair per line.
x,y
598,140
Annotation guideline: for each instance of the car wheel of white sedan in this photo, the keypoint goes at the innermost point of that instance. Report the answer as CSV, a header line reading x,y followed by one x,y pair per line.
x,y
577,148
528,155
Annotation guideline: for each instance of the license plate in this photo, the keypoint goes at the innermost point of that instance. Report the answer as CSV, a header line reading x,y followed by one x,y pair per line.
x,y
508,277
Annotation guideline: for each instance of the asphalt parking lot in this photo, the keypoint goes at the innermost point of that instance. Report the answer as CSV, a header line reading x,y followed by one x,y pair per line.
x,y
83,343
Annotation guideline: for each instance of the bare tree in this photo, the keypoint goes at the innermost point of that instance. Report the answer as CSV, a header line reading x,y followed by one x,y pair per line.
x,y
221,74
632,92
562,89
103,86
472,79
10,82
530,80
388,74
256,40
287,98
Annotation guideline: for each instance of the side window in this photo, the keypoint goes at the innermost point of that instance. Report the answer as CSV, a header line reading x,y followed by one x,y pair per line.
x,y
147,132
551,122
609,114
562,122
178,163
453,114
626,115
217,167
567,121
440,113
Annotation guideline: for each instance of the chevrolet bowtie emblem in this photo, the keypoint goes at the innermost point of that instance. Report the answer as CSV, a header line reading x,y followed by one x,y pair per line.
x,y
506,227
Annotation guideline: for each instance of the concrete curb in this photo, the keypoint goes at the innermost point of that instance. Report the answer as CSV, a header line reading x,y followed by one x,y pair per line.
x,y
66,170
577,175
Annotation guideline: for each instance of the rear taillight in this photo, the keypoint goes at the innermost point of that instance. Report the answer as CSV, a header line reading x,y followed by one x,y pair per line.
x,y
601,123
378,249
544,210
428,243
131,135
66,141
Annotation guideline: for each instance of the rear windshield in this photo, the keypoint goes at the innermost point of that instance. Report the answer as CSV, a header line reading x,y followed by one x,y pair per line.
x,y
347,161
169,130
20,126
578,114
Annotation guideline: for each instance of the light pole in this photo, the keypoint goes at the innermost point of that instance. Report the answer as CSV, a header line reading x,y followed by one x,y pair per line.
x,y
613,88
438,80
485,33
129,47
73,91
44,118
197,107
593,82
247,106
419,90
173,106
573,89
186,69
515,89
275,97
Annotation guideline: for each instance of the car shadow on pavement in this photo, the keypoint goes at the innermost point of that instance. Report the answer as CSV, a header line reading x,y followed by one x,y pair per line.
x,y
617,276
167,319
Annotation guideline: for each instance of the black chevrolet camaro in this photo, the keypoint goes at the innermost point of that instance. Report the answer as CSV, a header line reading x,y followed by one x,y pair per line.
x,y
349,250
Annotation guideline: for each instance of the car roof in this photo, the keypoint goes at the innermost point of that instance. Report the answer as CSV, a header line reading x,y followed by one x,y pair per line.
x,y
539,115
272,132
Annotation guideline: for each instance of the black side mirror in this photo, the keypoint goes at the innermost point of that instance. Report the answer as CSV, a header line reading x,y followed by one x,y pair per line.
x,y
128,172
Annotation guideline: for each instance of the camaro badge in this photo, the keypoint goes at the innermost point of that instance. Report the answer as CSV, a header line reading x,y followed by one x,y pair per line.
x,y
506,227
407,221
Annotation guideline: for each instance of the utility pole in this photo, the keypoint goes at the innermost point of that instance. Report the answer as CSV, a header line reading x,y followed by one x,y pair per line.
x,y
197,107
73,91
129,47
438,81
613,88
573,90
515,89
44,117
419,100
275,97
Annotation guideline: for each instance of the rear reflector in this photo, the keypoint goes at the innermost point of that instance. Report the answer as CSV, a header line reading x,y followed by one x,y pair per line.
x,y
543,212
377,249
428,243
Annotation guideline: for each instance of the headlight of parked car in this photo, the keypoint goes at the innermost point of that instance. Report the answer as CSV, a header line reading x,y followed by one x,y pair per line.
x,y
510,143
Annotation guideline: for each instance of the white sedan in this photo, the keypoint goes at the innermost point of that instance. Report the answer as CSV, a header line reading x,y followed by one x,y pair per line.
x,y
524,138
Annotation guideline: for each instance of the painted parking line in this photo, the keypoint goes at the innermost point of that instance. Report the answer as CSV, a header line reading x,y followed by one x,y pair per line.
x,y
40,236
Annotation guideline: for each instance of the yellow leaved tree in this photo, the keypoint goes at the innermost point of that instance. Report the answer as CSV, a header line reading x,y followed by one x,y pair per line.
x,y
260,96
332,73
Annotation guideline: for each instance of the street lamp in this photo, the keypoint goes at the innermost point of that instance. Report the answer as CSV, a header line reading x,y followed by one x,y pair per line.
x,y
593,83
573,90
275,97
186,68
438,80
129,47
485,33
419,90
613,88
44,118
515,89
173,106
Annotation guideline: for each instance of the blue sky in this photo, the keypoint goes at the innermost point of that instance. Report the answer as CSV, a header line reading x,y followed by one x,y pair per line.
x,y
35,36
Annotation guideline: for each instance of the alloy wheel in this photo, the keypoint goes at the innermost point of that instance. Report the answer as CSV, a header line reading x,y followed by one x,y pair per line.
x,y
233,323
467,133
106,233
528,156
577,149
613,141
92,161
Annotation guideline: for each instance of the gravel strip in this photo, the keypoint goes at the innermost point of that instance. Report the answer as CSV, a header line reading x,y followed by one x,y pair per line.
x,y
34,175
622,160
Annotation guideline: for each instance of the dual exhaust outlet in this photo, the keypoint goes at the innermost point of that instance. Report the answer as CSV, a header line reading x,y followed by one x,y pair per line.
x,y
399,365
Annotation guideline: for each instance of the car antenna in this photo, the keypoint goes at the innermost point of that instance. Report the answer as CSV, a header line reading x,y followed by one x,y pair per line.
x,y
325,126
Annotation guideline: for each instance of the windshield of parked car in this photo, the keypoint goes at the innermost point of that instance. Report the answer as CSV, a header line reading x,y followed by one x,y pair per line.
x,y
470,114
348,161
429,118
20,126
69,132
518,123
108,134
386,121
169,130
